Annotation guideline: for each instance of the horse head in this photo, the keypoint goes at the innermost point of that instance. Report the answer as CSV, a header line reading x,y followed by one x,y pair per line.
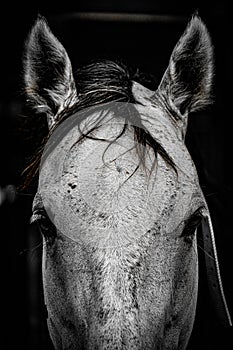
x,y
118,199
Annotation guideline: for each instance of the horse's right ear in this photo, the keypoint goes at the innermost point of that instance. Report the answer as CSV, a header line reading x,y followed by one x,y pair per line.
x,y
186,84
48,76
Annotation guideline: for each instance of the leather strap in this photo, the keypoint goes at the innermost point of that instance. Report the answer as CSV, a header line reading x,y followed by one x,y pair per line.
x,y
213,273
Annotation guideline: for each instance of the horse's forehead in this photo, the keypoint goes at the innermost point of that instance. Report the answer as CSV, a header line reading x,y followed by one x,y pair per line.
x,y
153,119
74,184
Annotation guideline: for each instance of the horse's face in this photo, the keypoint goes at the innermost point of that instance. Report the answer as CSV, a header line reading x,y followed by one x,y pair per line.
x,y
120,260
124,261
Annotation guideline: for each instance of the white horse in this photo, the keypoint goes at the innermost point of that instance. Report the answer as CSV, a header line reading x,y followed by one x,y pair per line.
x,y
119,199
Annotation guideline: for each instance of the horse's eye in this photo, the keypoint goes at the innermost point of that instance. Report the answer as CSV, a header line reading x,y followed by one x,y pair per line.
x,y
191,225
46,228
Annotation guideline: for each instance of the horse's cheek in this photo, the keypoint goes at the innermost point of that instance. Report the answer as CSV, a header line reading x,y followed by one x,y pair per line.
x,y
51,297
65,292
55,292
186,294
190,306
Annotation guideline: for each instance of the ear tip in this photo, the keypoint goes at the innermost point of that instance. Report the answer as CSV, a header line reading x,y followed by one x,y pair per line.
x,y
195,15
197,29
197,23
39,29
40,24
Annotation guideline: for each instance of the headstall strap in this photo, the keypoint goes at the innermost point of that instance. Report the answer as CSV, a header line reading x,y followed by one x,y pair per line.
x,y
213,273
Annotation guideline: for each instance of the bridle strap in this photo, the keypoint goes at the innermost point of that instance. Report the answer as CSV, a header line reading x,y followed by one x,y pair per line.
x,y
213,273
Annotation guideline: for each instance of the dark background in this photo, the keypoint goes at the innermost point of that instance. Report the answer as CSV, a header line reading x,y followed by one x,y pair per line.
x,y
143,44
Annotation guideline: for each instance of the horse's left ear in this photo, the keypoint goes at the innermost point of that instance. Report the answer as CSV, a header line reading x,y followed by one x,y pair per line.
x,y
186,84
48,76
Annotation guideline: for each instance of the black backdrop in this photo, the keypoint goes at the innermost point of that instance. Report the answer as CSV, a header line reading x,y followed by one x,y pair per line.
x,y
146,45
